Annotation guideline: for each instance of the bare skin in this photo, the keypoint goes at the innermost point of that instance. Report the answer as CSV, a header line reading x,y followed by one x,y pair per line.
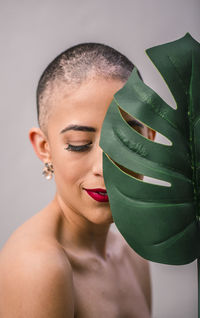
x,y
65,261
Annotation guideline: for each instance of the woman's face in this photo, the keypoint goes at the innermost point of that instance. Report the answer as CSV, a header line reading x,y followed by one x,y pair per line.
x,y
75,154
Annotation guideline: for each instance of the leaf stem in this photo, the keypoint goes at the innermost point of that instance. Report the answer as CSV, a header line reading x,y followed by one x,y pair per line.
x,y
198,267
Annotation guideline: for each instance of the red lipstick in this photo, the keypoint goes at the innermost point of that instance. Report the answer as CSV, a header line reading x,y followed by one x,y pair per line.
x,y
98,194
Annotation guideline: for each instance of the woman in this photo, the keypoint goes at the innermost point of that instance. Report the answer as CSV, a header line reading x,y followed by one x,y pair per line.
x,y
65,261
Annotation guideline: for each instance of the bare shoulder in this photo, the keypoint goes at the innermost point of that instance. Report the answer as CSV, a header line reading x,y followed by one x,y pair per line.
x,y
35,236
139,265
36,280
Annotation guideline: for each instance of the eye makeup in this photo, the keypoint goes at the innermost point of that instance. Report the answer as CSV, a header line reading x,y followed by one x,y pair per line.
x,y
135,123
80,148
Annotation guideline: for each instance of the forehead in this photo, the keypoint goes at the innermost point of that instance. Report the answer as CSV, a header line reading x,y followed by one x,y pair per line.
x,y
87,102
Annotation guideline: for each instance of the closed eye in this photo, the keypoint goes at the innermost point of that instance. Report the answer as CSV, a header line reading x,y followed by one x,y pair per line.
x,y
78,148
134,123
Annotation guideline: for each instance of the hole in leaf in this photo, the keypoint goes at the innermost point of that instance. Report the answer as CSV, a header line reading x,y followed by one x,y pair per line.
x,y
144,130
141,177
161,139
157,181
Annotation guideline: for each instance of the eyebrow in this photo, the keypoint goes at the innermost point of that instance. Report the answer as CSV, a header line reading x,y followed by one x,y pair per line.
x,y
131,122
78,128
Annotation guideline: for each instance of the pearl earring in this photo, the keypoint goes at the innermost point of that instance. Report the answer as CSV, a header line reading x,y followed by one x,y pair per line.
x,y
48,171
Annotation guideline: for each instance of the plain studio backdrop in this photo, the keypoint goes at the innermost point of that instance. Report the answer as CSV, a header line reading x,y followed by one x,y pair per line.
x,y
32,33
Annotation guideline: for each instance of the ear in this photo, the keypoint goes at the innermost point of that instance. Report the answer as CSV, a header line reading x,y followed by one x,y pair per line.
x,y
40,144
151,134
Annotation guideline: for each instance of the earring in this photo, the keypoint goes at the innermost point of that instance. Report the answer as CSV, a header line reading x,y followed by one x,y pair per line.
x,y
48,171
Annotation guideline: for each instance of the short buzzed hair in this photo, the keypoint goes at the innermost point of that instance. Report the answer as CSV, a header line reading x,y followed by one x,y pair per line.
x,y
74,66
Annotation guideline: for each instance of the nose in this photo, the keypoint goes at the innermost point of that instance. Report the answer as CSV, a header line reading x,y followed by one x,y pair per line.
x,y
98,161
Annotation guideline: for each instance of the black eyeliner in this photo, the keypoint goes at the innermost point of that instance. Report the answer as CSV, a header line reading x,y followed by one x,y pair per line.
x,y
78,148
134,122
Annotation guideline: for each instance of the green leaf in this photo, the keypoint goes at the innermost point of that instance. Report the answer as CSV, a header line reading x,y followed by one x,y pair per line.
x,y
160,223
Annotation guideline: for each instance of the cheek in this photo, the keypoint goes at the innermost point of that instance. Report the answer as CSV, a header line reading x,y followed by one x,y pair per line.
x,y
145,132
70,168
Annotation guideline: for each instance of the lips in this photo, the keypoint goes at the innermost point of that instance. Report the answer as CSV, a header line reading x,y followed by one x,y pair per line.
x,y
98,194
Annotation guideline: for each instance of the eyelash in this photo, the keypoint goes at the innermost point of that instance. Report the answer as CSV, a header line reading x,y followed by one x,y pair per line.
x,y
78,148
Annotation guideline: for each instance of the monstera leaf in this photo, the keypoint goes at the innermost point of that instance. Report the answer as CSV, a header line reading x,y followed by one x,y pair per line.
x,y
161,223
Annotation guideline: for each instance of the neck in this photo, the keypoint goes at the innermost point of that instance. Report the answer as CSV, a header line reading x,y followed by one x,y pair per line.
x,y
77,233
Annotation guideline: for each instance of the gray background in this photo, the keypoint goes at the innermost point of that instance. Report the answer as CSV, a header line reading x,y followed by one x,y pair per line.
x,y
32,33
